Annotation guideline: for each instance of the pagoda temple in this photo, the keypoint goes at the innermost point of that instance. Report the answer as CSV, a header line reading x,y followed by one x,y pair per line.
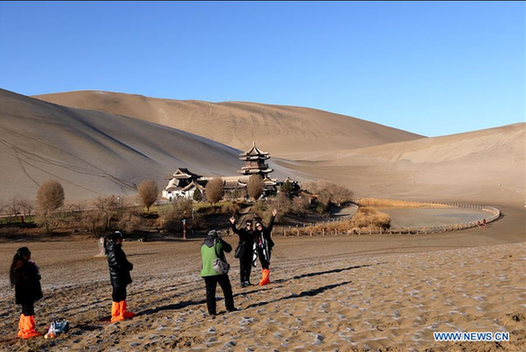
x,y
183,182
255,162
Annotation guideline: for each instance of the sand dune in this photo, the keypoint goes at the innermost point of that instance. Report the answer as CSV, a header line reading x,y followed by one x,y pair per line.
x,y
475,165
94,153
285,131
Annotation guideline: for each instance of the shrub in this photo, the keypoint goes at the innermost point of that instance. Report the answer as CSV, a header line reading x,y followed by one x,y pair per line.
x,y
370,217
255,186
108,209
339,195
232,209
300,206
214,190
261,209
238,193
50,197
327,194
197,196
281,202
130,220
286,188
92,221
171,215
148,193
393,203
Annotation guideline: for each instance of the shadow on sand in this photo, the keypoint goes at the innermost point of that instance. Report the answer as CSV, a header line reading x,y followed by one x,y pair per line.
x,y
309,293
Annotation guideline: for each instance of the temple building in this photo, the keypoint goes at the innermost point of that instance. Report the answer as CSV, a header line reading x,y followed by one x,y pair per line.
x,y
255,162
183,183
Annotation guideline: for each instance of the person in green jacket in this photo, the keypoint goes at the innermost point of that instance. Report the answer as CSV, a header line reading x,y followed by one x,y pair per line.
x,y
212,248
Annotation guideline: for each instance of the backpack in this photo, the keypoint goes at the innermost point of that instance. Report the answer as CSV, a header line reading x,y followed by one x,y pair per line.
x,y
58,326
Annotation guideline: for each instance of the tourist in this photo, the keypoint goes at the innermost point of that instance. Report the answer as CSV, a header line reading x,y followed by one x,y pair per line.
x,y
244,250
264,244
24,275
120,277
213,247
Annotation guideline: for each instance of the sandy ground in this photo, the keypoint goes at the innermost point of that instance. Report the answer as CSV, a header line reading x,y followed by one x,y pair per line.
x,y
327,293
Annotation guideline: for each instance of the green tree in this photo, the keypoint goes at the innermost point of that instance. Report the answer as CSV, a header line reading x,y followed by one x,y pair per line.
x,y
198,196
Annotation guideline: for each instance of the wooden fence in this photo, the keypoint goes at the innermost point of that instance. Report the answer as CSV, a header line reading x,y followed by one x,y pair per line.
x,y
325,228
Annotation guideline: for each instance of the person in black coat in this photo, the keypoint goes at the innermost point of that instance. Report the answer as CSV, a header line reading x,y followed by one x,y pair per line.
x,y
120,277
245,250
264,245
24,275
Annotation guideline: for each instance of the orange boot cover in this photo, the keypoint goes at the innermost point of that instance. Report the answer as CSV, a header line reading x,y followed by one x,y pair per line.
x,y
28,327
124,313
116,312
265,273
21,325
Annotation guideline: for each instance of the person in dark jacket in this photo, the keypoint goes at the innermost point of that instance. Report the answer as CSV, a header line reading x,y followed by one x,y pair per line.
x,y
120,277
24,275
213,247
264,245
245,250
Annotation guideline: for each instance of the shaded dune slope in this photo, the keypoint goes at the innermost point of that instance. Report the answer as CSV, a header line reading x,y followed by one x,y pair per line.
x,y
93,152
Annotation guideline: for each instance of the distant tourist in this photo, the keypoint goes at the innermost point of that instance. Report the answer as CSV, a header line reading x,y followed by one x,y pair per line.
x,y
24,275
120,277
244,250
264,245
213,248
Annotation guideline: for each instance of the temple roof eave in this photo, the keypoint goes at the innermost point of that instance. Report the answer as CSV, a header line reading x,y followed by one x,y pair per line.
x,y
255,171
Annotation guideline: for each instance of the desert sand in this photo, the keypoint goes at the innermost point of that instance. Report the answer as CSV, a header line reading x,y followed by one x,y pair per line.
x,y
285,131
341,293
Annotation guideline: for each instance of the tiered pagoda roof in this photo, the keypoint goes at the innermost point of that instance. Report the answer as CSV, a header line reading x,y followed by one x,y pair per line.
x,y
255,162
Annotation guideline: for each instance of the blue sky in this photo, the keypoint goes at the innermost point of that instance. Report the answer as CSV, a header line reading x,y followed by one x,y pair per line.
x,y
433,68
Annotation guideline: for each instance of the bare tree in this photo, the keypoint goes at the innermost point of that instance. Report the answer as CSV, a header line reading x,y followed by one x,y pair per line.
x,y
92,221
255,186
13,207
130,220
339,194
214,190
148,193
50,197
107,210
26,207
